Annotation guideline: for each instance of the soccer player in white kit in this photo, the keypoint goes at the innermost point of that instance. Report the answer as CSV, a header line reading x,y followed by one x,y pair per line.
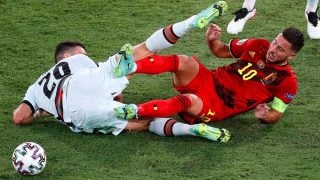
x,y
77,91
81,94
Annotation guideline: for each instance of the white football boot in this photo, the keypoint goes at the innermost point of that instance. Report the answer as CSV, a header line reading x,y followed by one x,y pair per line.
x,y
241,16
313,24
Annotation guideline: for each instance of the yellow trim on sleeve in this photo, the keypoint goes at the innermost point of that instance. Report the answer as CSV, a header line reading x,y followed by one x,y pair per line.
x,y
279,105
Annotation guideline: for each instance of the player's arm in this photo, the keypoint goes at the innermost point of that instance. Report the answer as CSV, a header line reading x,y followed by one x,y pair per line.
x,y
273,114
266,114
216,46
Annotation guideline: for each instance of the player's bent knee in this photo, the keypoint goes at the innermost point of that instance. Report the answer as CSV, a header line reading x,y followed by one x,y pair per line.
x,y
196,104
187,62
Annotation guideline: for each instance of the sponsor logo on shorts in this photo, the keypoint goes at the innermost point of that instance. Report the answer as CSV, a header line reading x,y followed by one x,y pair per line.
x,y
208,117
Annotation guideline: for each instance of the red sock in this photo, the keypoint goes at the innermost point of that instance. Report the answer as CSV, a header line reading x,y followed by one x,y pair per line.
x,y
158,64
164,108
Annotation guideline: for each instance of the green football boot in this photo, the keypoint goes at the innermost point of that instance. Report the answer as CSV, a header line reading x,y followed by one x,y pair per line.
x,y
126,61
127,112
211,133
208,15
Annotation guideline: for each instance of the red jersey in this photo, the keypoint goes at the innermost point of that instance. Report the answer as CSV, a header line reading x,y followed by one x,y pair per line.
x,y
242,85
250,81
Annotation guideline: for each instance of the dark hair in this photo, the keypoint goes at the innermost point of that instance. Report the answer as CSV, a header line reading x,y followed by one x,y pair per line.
x,y
295,37
64,47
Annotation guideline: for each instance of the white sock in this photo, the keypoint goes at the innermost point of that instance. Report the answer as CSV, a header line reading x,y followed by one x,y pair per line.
x,y
157,42
182,129
249,4
181,28
170,127
312,5
165,38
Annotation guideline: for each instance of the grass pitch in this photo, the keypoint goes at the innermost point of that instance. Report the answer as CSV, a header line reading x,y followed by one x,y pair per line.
x,y
29,31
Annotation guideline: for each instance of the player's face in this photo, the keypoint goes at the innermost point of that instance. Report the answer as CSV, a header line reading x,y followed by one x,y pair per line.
x,y
279,51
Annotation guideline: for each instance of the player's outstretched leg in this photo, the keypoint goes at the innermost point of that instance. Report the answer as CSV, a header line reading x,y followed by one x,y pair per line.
x,y
170,127
211,133
241,16
313,20
206,16
126,61
166,37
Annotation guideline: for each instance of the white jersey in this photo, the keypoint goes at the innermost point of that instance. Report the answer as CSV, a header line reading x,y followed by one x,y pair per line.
x,y
88,94
43,92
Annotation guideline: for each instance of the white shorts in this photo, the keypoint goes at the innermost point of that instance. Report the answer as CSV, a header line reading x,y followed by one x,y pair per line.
x,y
88,100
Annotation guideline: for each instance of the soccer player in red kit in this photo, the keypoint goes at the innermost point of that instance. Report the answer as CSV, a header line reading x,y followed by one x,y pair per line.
x,y
261,74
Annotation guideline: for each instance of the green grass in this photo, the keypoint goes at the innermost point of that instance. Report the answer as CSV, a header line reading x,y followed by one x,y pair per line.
x,y
29,31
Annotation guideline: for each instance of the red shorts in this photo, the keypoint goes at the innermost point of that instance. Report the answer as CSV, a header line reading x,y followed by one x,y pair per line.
x,y
203,86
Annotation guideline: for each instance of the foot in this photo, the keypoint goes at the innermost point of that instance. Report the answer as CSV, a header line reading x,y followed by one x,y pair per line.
x,y
128,111
211,133
313,24
206,16
126,61
241,16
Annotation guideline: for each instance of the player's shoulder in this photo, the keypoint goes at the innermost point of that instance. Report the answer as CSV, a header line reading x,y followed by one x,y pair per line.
x,y
258,42
240,46
287,75
255,41
291,72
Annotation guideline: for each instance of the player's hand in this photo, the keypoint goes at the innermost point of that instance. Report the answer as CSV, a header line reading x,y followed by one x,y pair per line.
x,y
262,111
213,32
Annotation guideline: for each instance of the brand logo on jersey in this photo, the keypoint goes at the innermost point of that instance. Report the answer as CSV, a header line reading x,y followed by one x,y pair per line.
x,y
252,53
261,64
240,42
270,78
289,95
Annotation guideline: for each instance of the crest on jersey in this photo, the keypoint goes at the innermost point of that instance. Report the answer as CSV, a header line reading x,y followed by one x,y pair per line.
x,y
270,78
261,64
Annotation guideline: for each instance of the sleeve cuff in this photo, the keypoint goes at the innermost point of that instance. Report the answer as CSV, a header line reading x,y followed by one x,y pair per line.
x,y
30,105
